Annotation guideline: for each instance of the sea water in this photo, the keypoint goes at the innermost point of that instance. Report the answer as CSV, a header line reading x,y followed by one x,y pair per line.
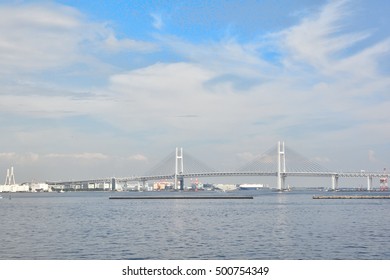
x,y
280,226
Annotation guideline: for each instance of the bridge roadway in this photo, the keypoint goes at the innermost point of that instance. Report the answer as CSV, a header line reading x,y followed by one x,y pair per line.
x,y
80,182
224,174
259,174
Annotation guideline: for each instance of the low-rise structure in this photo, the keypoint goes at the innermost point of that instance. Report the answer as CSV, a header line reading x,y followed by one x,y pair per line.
x,y
39,187
14,188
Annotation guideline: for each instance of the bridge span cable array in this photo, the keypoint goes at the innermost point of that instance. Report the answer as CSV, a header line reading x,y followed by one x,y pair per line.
x,y
191,165
266,162
294,162
163,167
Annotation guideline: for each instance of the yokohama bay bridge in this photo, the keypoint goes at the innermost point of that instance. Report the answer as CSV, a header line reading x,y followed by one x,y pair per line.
x,y
279,162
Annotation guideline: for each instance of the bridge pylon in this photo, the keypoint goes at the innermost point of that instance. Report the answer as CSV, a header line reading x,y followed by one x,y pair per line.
x,y
369,183
10,179
179,169
335,182
281,166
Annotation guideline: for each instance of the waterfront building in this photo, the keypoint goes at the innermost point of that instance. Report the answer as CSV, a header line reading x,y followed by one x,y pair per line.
x,y
39,187
251,186
10,185
226,187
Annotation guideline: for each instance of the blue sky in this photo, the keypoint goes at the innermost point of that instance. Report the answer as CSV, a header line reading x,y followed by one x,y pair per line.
x,y
110,88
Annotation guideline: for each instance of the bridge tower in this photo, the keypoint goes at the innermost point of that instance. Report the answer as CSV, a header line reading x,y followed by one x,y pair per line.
x,y
179,169
281,166
7,178
10,179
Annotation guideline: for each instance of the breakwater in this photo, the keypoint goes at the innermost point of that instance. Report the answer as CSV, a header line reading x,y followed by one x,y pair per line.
x,y
181,197
351,197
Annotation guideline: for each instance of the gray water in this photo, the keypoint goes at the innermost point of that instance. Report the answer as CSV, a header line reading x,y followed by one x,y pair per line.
x,y
88,225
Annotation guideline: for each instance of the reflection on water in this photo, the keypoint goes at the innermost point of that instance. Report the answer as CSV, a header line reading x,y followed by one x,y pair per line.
x,y
271,226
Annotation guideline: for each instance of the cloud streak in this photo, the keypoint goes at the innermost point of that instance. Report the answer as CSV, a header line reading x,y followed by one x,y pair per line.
x,y
157,21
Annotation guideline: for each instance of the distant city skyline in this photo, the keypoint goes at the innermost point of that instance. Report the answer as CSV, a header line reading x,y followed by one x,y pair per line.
x,y
109,88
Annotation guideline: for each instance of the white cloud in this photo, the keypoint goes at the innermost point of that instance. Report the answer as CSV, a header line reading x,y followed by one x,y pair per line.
x,y
7,155
44,36
47,16
246,156
225,96
49,106
291,99
322,42
318,36
371,156
138,157
28,158
82,156
365,63
38,37
156,97
111,43
19,158
159,78
157,21
226,56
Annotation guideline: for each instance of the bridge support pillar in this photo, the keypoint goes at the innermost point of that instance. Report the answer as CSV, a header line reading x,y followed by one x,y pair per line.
x,y
113,184
281,182
369,183
281,166
141,185
335,182
179,168
181,183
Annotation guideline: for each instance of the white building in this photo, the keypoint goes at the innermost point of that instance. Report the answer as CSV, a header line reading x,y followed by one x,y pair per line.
x,y
251,186
10,185
14,188
39,187
226,187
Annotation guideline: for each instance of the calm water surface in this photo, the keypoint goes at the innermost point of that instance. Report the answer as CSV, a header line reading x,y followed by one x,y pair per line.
x,y
86,225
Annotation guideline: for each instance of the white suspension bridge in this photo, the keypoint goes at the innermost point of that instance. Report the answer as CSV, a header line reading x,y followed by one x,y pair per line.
x,y
280,162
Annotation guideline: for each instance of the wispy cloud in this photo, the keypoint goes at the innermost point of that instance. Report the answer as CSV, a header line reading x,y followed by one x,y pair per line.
x,y
19,158
138,157
114,44
157,21
371,156
322,42
82,156
45,36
